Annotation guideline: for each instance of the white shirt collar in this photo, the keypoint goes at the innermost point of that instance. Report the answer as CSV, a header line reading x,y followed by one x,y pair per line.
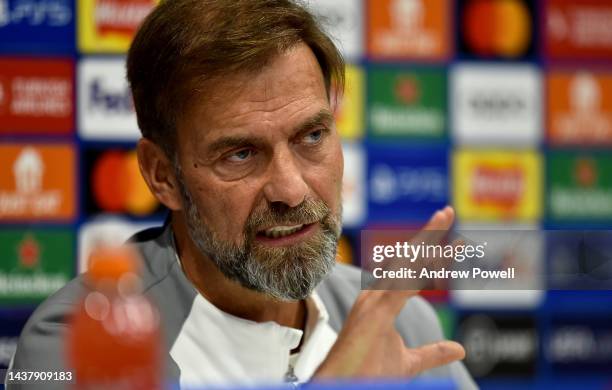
x,y
217,348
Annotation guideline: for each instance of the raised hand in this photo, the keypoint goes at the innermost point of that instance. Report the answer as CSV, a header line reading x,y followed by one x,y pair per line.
x,y
369,346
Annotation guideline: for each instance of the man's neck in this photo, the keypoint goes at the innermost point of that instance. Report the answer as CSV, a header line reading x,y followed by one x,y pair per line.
x,y
228,295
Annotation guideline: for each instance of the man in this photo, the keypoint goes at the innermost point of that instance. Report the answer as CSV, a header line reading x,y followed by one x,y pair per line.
x,y
233,100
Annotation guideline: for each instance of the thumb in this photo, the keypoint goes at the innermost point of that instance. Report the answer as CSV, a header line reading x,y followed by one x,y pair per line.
x,y
433,355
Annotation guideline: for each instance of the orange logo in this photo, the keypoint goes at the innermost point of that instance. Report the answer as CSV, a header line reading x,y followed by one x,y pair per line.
x,y
580,108
417,29
499,27
117,185
39,184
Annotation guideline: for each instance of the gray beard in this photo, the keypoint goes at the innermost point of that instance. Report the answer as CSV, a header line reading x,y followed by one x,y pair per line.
x,y
284,273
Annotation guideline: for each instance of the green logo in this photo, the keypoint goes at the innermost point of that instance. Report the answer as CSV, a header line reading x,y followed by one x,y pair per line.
x,y
407,103
580,186
34,264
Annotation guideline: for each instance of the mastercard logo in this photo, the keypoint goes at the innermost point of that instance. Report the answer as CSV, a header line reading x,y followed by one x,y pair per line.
x,y
497,27
117,185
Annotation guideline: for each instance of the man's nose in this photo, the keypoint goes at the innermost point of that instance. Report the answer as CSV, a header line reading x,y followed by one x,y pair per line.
x,y
285,182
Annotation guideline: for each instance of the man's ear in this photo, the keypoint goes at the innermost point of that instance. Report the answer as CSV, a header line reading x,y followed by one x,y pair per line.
x,y
158,171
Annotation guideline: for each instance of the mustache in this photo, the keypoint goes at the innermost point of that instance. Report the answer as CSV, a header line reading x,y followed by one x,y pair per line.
x,y
307,212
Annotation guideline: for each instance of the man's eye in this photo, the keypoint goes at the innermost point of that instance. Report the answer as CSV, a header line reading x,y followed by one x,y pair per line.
x,y
314,136
240,156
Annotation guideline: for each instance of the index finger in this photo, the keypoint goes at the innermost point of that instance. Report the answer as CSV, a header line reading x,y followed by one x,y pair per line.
x,y
433,232
437,226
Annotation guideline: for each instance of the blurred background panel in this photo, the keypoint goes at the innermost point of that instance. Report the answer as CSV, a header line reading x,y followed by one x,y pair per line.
x,y
501,108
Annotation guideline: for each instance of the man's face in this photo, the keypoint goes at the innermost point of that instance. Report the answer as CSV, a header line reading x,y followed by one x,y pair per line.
x,y
260,170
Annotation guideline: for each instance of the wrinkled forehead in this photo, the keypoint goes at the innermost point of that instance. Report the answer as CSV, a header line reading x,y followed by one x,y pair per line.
x,y
289,88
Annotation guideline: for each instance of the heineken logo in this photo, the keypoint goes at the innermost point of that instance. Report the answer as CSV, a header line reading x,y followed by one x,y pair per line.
x,y
581,189
38,262
29,252
407,90
585,172
407,103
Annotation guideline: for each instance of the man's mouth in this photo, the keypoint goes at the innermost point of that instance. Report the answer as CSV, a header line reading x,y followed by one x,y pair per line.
x,y
282,231
285,234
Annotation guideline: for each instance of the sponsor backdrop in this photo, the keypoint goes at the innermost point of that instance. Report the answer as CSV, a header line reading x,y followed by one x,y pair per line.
x,y
502,108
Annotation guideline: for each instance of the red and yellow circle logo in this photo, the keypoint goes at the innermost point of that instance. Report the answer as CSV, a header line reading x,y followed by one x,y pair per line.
x,y
118,186
497,27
